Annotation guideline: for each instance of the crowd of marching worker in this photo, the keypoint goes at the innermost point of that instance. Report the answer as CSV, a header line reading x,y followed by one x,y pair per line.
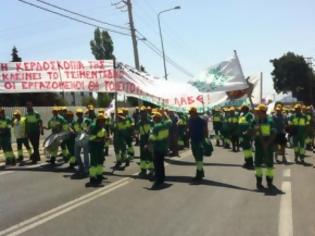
x,y
84,137
264,137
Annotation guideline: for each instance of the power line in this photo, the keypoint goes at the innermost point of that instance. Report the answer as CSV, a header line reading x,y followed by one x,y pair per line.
x,y
81,15
72,18
146,42
169,60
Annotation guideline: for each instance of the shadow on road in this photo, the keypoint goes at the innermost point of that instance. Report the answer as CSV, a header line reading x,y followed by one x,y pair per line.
x,y
187,163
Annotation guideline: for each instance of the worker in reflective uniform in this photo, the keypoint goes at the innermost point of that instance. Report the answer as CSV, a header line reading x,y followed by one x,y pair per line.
x,y
70,142
298,123
265,134
97,136
129,137
5,138
217,125
307,111
198,133
246,121
20,135
281,124
56,125
159,144
144,127
225,128
65,128
33,130
234,129
182,127
81,126
120,134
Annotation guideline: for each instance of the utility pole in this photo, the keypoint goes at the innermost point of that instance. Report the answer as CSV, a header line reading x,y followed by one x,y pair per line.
x,y
127,4
133,34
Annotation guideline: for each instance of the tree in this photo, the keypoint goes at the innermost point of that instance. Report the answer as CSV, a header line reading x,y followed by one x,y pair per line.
x,y
15,56
102,48
292,74
102,45
88,100
104,99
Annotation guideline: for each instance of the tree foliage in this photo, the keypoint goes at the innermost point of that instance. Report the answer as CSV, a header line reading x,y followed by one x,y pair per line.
x,y
102,45
102,48
104,99
15,56
88,100
292,74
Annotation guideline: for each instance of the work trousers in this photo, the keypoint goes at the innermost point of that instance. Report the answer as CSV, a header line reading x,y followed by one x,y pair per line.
x,y
146,162
20,142
85,165
264,158
158,161
34,139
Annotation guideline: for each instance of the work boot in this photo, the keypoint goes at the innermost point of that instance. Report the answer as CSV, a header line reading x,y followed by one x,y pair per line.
x,y
92,182
142,173
53,160
259,185
269,182
20,158
117,165
13,162
99,179
296,159
127,163
250,164
217,143
284,160
199,175
106,151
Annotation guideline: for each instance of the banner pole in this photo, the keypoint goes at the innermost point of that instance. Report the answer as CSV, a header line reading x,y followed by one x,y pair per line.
x,y
249,93
63,91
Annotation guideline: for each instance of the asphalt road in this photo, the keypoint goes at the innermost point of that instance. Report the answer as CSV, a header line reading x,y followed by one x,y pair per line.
x,y
39,200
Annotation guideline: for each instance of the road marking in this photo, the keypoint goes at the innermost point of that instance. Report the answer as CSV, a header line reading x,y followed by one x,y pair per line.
x,y
64,208
287,173
285,214
59,213
53,213
6,172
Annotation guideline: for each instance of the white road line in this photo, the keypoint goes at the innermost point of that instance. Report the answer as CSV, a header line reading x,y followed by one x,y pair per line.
x,y
50,217
287,173
285,214
62,208
6,172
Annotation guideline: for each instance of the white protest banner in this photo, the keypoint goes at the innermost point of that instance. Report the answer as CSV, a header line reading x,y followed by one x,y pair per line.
x,y
100,76
56,76
178,96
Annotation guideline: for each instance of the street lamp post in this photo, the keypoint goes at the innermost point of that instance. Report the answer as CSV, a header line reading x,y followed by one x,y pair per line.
x,y
162,44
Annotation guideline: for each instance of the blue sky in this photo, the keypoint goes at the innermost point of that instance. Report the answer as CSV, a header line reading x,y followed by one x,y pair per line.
x,y
202,33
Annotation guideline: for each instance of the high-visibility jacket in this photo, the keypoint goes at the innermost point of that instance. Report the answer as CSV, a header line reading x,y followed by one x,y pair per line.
x,y
19,128
159,136
5,127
